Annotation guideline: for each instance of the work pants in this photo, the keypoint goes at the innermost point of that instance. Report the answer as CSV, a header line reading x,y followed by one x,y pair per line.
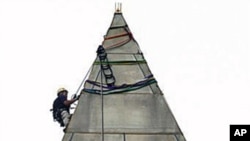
x,y
65,117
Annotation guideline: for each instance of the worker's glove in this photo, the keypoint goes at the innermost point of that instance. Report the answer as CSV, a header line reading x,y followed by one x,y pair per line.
x,y
77,98
74,96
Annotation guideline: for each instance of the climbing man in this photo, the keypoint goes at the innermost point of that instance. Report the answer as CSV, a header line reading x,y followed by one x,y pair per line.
x,y
61,107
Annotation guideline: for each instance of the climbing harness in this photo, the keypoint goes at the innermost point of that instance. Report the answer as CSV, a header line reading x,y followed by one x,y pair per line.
x,y
57,116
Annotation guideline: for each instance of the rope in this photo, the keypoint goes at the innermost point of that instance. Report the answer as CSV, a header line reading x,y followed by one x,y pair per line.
x,y
103,58
128,33
107,92
115,27
176,137
119,43
102,132
142,70
78,89
117,36
119,89
71,137
84,79
133,62
148,78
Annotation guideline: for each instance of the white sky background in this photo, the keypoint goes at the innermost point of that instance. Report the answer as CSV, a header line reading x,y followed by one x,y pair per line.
x,y
197,51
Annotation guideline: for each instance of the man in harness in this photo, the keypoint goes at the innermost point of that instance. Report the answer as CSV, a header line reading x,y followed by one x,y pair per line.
x,y
61,106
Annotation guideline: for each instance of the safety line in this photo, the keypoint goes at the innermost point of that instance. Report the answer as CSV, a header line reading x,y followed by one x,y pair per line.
x,y
102,113
107,92
115,27
117,36
133,62
83,80
118,44
71,137
143,71
138,83
124,137
176,137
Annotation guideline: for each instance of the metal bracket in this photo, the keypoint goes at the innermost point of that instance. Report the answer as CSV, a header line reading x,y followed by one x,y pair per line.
x,y
118,7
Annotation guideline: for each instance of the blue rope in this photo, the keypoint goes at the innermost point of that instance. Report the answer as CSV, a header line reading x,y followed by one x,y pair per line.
x,y
119,89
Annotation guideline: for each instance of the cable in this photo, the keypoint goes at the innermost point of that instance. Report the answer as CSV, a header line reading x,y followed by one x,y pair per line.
x,y
83,80
120,89
77,91
102,132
